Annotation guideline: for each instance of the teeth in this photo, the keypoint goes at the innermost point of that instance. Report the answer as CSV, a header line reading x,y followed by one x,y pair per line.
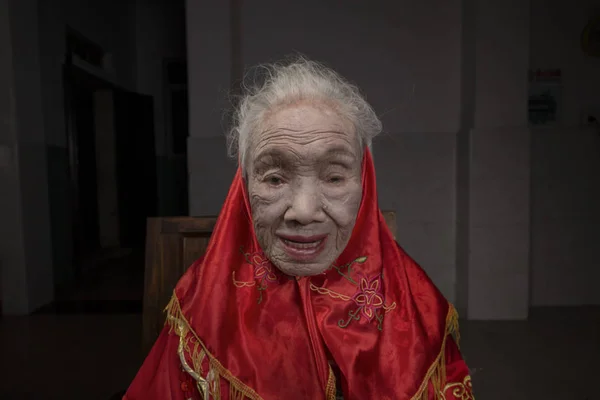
x,y
303,245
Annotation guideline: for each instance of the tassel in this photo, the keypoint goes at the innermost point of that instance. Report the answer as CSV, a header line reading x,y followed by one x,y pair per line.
x,y
331,390
235,394
452,325
199,355
436,376
215,383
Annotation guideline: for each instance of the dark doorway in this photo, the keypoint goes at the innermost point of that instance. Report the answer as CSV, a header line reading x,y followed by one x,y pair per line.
x,y
87,194
112,169
136,166
81,136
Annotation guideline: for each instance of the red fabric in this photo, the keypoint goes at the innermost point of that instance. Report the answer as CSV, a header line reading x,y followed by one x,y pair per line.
x,y
375,314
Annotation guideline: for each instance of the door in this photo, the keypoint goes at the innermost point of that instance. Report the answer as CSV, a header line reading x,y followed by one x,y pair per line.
x,y
79,90
136,166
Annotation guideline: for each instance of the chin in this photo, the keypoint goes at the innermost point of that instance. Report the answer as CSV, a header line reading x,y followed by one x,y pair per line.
x,y
293,269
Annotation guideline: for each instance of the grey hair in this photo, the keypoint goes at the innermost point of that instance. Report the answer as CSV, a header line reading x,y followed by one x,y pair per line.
x,y
283,83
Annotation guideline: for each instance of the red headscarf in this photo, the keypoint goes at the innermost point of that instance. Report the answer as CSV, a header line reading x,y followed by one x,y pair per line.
x,y
238,328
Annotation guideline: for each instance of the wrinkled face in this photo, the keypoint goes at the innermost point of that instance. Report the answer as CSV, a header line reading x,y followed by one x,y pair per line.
x,y
304,184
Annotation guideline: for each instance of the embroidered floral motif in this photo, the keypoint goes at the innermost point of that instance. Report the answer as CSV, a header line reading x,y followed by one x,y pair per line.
x,y
264,273
369,297
263,270
458,390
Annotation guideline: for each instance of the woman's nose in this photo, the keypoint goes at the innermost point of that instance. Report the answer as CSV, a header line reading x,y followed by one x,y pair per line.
x,y
306,206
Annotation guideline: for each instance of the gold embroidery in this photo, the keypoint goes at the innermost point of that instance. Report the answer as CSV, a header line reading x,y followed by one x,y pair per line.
x,y
330,293
459,390
368,297
242,284
348,268
264,273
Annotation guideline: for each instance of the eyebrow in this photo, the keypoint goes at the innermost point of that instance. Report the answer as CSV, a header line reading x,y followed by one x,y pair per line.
x,y
275,157
270,158
339,151
270,155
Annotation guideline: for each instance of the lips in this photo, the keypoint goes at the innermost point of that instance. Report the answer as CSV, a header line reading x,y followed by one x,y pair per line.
x,y
303,248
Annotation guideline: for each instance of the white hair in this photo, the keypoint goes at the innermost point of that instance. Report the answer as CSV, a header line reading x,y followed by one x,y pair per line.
x,y
288,82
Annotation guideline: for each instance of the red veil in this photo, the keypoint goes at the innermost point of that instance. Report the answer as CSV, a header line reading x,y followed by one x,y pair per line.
x,y
373,325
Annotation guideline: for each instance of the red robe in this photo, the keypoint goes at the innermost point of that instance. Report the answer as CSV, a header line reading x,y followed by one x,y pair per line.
x,y
373,326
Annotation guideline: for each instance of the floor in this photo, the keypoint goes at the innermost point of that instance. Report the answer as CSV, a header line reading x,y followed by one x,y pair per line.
x,y
90,348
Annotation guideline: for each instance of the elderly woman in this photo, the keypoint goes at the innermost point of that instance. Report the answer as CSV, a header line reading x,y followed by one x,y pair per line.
x,y
303,292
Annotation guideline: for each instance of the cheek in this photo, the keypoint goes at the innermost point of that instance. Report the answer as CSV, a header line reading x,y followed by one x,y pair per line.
x,y
343,209
267,207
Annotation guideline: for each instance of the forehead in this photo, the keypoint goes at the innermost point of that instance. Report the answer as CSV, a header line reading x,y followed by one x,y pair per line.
x,y
307,130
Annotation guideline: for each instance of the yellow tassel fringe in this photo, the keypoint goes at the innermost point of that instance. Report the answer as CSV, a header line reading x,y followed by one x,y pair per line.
x,y
210,387
436,375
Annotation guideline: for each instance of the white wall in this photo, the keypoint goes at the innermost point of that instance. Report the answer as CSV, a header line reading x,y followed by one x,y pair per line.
x,y
566,162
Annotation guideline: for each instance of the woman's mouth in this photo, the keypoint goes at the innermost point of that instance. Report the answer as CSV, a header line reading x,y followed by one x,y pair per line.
x,y
303,248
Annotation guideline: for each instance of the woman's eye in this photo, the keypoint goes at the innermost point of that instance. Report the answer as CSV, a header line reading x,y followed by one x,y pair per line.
x,y
274,180
335,179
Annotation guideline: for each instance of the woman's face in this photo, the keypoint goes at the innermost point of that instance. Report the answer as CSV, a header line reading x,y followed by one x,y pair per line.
x,y
304,184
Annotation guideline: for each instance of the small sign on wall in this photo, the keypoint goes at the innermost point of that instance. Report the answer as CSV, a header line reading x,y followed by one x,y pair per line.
x,y
545,96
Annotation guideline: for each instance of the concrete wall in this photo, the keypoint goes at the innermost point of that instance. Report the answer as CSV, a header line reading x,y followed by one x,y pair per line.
x,y
566,162
13,279
209,70
25,249
565,217
498,189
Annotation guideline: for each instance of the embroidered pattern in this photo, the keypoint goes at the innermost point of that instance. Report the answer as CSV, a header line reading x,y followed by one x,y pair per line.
x,y
368,298
264,273
458,390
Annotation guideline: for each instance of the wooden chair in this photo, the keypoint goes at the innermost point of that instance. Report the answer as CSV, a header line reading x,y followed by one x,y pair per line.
x,y
172,245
